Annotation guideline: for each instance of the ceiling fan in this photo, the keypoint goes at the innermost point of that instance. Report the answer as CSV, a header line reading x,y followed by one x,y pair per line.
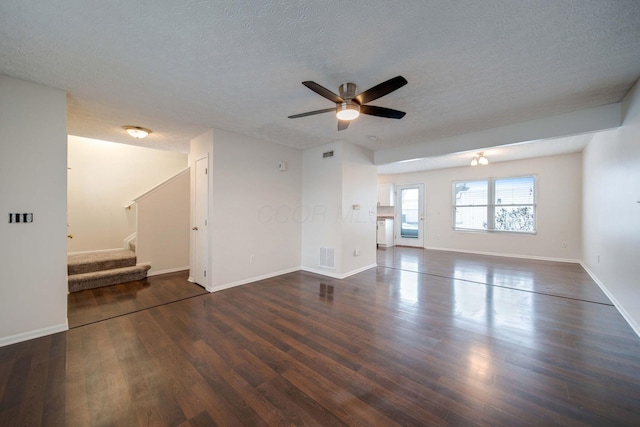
x,y
349,106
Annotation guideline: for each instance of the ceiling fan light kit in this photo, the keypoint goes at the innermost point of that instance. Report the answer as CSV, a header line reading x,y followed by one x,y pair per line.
x,y
348,110
349,106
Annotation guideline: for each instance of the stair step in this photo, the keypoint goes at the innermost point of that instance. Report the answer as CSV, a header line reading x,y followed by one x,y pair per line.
x,y
97,261
97,279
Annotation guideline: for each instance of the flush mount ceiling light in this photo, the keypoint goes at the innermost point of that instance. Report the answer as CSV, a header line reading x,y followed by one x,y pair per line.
x,y
136,131
479,159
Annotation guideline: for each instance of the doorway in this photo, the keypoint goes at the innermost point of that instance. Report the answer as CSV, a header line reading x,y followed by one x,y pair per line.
x,y
410,215
199,229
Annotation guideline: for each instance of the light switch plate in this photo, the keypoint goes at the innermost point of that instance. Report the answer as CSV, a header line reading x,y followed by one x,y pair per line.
x,y
15,218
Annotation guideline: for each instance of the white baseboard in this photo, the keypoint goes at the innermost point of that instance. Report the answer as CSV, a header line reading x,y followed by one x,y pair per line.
x,y
338,276
252,279
634,325
534,257
25,336
168,270
290,270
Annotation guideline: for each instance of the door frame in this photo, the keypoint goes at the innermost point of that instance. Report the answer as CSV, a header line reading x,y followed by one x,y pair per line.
x,y
195,249
399,240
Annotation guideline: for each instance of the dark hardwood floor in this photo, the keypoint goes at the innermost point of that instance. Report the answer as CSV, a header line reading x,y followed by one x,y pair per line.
x,y
428,338
93,305
544,277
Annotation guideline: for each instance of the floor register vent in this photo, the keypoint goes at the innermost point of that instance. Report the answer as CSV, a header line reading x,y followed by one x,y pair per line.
x,y
327,258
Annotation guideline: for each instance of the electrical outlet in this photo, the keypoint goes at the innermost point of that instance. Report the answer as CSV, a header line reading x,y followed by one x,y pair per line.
x,y
252,258
564,244
356,252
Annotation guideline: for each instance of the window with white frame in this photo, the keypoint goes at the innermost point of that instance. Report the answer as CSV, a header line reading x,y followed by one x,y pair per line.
x,y
495,204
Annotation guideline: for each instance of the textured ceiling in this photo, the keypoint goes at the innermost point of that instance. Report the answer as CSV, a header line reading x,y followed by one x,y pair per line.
x,y
504,153
179,68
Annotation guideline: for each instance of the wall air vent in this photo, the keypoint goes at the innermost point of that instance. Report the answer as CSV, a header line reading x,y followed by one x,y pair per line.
x,y
327,258
327,154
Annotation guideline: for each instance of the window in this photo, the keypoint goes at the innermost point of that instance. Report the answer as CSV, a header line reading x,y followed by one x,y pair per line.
x,y
495,204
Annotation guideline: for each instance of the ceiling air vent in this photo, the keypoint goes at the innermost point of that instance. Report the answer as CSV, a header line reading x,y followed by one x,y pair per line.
x,y
327,154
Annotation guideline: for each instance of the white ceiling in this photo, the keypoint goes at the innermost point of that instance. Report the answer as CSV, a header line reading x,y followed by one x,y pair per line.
x,y
524,150
179,68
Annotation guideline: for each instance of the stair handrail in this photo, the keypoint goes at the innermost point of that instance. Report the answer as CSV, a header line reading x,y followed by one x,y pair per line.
x,y
162,184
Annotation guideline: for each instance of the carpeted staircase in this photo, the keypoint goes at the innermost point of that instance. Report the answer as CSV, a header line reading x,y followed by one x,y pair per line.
x,y
97,269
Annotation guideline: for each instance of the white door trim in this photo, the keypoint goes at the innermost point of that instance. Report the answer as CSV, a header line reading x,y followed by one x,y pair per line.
x,y
419,240
200,273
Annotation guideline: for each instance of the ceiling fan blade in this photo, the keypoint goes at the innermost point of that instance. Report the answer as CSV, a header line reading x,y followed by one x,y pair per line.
x,y
311,113
381,112
343,124
323,91
381,90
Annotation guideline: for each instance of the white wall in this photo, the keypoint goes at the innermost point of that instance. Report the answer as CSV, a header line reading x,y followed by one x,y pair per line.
x,y
104,177
331,187
611,212
359,186
33,179
321,206
559,203
253,209
163,232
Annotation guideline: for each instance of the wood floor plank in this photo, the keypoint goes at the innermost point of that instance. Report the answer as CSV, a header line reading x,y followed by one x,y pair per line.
x,y
344,405
227,406
5,375
54,393
376,396
285,404
32,405
264,411
281,389
76,396
15,385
